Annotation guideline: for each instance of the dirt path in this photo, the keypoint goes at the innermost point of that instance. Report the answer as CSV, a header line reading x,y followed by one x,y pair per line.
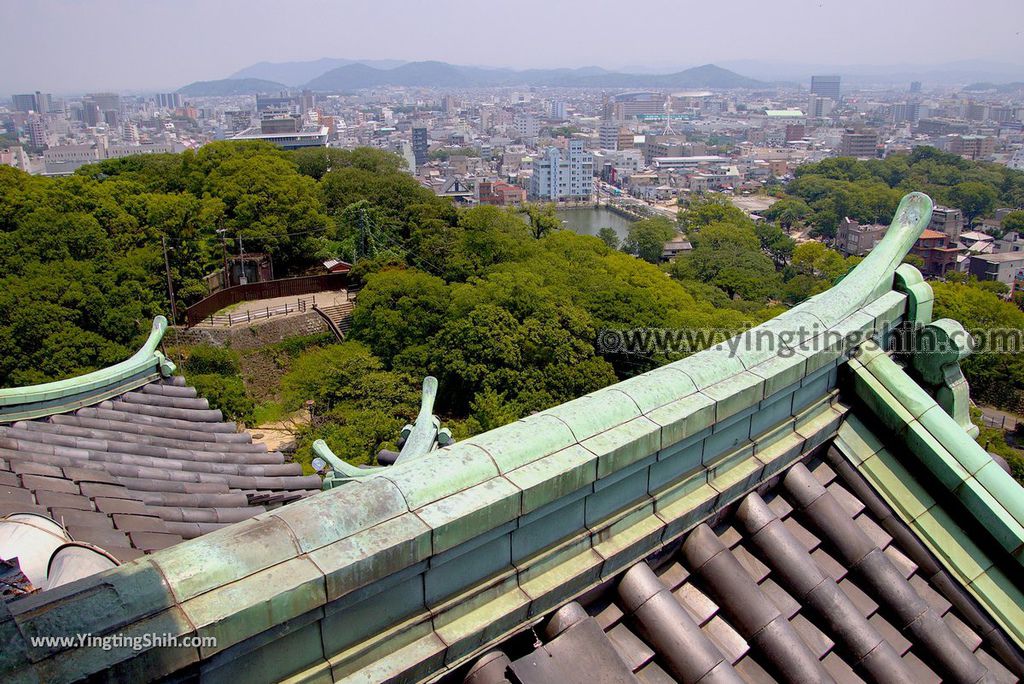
x,y
997,418
280,433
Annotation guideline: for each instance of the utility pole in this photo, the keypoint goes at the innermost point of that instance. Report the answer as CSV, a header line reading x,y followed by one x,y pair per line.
x,y
242,280
170,285
361,244
224,252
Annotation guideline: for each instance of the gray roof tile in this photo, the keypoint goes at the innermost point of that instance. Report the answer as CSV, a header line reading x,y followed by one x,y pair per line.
x,y
156,451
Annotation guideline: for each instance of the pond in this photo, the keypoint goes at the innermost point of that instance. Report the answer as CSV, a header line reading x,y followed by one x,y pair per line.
x,y
589,220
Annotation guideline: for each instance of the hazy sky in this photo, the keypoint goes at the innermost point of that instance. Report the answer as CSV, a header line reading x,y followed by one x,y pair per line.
x,y
79,45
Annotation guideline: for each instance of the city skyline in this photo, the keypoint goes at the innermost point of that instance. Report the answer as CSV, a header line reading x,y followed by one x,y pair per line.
x,y
213,42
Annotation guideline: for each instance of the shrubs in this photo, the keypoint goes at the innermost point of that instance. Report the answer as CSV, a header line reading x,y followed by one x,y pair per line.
x,y
214,372
205,360
226,393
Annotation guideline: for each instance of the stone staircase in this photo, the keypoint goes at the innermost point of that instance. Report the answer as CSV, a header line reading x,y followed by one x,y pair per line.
x,y
338,317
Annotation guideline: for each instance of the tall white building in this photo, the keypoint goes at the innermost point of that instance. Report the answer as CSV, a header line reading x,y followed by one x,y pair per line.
x,y
563,175
526,127
608,135
130,133
37,132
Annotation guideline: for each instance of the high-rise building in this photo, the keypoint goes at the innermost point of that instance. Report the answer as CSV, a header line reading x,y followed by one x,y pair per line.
x,y
168,100
904,112
971,146
43,102
264,102
237,120
915,86
819,106
37,132
639,103
608,135
91,114
947,220
403,148
107,102
826,86
526,127
563,175
862,144
130,133
24,103
307,101
420,143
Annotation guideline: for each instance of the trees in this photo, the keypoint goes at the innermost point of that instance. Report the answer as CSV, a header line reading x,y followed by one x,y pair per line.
x,y
788,212
647,238
1014,221
775,243
315,162
729,257
974,199
996,375
817,260
542,220
868,191
710,208
399,310
609,237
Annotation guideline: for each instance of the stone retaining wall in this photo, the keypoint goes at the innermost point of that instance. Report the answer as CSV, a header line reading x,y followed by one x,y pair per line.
x,y
252,336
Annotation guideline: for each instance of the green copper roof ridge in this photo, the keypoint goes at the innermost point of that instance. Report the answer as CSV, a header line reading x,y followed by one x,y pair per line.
x,y
874,275
148,357
917,509
942,446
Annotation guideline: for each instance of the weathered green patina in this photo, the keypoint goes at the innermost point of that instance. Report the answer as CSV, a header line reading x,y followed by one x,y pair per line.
x,y
420,438
408,571
148,363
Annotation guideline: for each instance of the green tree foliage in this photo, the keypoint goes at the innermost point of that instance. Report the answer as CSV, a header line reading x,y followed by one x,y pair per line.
x,y
647,238
214,372
1014,221
542,220
361,406
315,162
995,378
817,260
973,198
399,309
504,309
868,191
609,237
79,278
788,212
775,243
729,256
707,209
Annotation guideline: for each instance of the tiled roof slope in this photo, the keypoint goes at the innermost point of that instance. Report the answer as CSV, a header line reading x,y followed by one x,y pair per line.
x,y
129,458
810,579
142,470
412,572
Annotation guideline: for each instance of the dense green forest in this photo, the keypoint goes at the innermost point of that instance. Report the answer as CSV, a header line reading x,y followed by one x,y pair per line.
x,y
868,191
502,306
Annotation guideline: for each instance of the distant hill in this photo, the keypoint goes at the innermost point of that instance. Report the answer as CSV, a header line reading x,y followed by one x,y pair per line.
x,y
226,87
444,75
997,87
297,73
858,75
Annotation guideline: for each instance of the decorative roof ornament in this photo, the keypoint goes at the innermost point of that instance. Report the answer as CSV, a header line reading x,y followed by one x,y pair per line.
x,y
416,440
